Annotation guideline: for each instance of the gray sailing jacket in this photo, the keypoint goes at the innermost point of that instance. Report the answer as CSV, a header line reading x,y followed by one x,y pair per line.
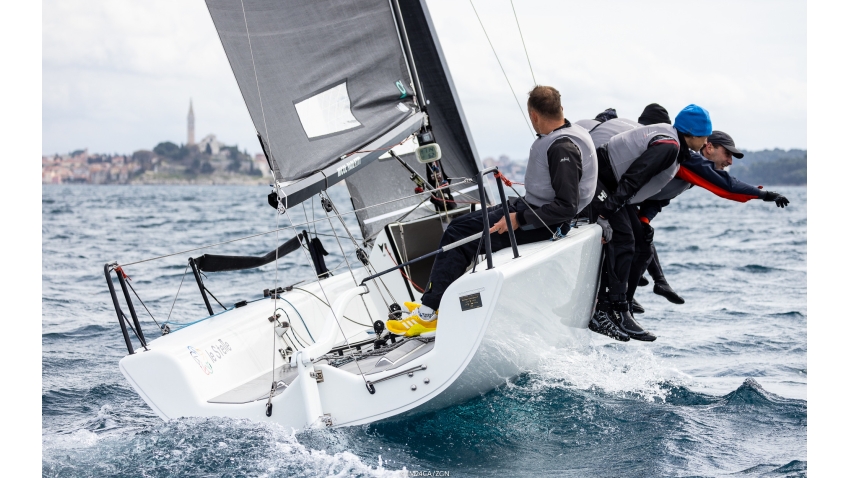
x,y
587,124
603,132
625,148
538,182
672,189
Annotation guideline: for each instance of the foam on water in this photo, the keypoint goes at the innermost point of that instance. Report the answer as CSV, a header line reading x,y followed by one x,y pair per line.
x,y
615,369
200,447
722,391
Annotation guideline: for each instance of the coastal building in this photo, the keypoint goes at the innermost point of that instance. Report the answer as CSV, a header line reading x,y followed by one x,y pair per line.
x,y
262,165
209,145
191,125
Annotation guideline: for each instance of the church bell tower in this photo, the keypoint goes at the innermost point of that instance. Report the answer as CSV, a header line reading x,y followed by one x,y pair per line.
x,y
191,125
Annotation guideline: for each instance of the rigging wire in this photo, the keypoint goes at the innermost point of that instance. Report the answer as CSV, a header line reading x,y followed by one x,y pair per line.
x,y
522,112
510,184
527,58
292,226
322,301
344,255
134,331
300,317
214,297
367,265
291,328
415,285
319,282
175,295
143,302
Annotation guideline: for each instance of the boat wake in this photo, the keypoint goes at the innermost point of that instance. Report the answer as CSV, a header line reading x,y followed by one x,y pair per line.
x,y
201,447
564,417
613,369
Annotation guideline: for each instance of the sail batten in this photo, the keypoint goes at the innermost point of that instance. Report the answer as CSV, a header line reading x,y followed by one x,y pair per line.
x,y
320,78
346,169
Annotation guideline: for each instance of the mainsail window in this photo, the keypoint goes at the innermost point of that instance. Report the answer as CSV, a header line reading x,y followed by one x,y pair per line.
x,y
327,112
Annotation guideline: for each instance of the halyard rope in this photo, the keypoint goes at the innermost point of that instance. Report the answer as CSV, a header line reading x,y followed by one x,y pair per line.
x,y
523,44
522,112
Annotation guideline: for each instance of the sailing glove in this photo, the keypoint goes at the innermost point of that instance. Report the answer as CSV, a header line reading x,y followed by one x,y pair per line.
x,y
607,231
648,233
780,200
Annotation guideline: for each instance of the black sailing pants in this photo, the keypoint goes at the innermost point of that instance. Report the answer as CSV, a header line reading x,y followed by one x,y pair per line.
x,y
450,265
626,255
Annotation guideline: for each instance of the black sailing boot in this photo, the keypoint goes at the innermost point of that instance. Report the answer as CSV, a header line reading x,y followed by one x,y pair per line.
x,y
663,289
643,281
601,324
621,316
636,308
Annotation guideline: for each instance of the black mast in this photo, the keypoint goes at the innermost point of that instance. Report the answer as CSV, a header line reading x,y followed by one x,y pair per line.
x,y
405,43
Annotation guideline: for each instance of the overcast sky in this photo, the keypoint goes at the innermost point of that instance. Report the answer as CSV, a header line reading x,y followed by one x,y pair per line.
x,y
118,74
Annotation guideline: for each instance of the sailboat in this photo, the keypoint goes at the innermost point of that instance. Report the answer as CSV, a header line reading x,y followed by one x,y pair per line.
x,y
333,89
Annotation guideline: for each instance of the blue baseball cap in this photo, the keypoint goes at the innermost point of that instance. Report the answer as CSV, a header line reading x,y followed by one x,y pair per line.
x,y
693,120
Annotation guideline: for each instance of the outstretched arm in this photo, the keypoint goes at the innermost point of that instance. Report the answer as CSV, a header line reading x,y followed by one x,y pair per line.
x,y
721,186
699,171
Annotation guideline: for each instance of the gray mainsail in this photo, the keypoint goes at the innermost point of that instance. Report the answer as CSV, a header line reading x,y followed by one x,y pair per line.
x,y
320,79
385,180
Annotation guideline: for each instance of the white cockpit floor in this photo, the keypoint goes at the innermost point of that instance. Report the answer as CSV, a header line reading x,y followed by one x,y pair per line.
x,y
258,388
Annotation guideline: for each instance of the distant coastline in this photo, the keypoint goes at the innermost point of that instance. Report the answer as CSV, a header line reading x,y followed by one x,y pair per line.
x,y
772,166
212,163
207,162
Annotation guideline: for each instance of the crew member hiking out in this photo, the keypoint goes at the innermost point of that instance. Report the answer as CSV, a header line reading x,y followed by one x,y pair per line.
x,y
704,169
602,131
633,166
560,181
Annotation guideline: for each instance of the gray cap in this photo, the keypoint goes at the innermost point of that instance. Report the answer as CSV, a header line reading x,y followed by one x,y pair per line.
x,y
719,138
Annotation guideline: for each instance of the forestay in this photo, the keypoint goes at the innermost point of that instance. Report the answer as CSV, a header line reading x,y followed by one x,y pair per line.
x,y
384,180
320,78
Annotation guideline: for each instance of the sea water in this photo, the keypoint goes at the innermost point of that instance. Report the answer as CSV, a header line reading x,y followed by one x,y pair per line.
x,y
722,391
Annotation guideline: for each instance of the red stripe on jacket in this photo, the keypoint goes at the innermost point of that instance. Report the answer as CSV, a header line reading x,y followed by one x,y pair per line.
x,y
664,141
686,174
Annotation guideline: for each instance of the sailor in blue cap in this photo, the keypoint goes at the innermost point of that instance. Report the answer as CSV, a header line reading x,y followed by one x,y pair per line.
x,y
634,166
705,169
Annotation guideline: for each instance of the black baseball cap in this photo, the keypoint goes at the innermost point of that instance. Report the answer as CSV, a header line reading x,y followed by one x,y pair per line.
x,y
720,138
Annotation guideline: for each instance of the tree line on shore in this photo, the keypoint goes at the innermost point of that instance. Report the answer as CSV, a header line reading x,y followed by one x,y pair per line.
x,y
771,166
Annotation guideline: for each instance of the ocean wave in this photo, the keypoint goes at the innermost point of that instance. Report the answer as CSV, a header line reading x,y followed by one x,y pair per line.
x,y
793,469
200,447
85,331
757,268
752,395
679,406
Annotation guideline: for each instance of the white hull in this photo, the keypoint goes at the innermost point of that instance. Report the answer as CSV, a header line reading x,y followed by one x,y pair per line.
x,y
222,366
